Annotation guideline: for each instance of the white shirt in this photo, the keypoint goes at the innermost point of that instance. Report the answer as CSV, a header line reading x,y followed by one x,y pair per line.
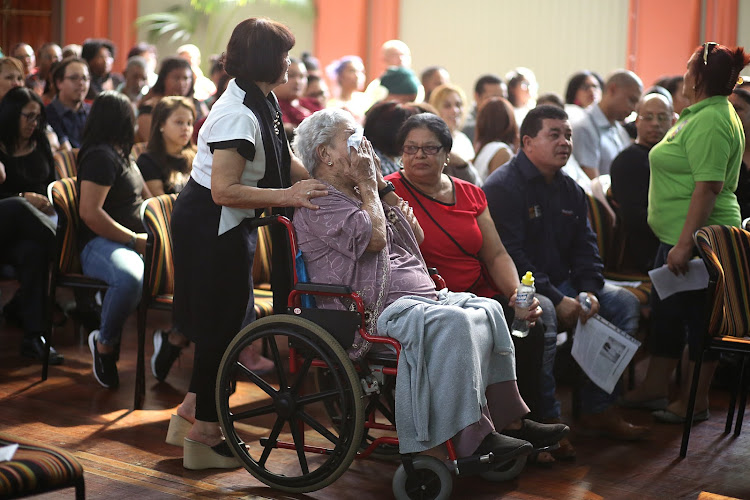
x,y
230,120
597,141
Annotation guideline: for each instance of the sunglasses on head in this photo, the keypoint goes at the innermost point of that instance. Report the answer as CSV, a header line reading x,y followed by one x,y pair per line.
x,y
706,49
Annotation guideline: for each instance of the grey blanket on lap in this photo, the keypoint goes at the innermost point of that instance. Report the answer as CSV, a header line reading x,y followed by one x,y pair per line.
x,y
452,349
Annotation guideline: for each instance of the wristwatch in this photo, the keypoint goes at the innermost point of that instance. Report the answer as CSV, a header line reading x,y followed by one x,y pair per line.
x,y
389,188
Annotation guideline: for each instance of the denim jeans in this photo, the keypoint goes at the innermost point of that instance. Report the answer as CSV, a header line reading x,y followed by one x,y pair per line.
x,y
122,269
619,307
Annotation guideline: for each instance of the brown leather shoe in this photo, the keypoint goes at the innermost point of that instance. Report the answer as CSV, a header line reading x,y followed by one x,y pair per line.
x,y
566,451
610,424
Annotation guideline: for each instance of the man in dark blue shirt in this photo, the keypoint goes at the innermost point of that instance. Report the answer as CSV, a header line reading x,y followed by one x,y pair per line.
x,y
67,112
541,215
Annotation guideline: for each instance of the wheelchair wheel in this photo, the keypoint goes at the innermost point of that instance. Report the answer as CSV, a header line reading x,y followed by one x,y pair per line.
x,y
267,431
431,480
505,471
385,403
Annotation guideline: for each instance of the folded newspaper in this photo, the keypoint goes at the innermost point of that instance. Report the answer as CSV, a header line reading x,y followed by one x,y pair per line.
x,y
603,351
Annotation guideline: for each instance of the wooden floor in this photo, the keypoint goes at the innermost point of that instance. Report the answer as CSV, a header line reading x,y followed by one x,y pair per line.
x,y
124,454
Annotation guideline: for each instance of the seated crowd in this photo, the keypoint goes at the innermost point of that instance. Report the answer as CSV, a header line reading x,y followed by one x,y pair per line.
x,y
483,194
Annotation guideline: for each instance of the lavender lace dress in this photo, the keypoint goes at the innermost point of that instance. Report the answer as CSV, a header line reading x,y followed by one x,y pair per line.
x,y
333,240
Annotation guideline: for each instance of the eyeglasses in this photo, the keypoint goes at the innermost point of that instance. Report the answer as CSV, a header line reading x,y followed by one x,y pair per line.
x,y
706,49
31,117
429,150
661,117
77,78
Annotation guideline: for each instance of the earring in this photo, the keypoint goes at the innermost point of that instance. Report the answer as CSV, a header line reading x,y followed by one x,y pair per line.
x,y
161,130
330,163
445,164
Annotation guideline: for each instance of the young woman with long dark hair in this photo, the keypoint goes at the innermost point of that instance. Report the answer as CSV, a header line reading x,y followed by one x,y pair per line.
x,y
111,237
26,230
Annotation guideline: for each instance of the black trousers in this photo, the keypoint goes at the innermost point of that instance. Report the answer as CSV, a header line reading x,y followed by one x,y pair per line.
x,y
213,286
27,239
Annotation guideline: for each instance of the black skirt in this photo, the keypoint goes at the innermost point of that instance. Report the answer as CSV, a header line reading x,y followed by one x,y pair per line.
x,y
213,280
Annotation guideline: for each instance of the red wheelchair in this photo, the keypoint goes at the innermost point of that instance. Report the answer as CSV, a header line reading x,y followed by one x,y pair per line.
x,y
319,410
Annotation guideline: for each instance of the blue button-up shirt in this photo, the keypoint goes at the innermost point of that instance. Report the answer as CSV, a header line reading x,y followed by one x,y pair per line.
x,y
544,226
67,123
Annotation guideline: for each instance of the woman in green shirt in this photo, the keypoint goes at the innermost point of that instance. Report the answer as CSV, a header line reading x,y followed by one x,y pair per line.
x,y
694,172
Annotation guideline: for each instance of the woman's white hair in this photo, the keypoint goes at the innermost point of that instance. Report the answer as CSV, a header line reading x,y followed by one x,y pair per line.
x,y
316,130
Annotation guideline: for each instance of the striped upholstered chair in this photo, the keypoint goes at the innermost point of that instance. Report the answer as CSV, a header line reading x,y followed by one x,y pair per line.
x,y
37,468
65,163
726,252
610,250
64,197
158,283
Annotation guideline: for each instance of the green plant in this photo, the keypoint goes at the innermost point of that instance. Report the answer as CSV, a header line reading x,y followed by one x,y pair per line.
x,y
182,21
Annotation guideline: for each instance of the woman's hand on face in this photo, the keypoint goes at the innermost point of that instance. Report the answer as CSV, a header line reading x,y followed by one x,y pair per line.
x,y
40,202
677,259
362,164
300,194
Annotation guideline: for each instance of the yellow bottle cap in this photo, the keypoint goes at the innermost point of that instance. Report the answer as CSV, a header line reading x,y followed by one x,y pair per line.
x,y
528,279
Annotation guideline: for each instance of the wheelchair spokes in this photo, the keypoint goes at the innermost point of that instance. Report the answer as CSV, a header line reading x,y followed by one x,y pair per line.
x,y
281,432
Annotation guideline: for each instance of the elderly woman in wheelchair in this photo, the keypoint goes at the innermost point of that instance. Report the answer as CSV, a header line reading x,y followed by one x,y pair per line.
x,y
456,370
383,350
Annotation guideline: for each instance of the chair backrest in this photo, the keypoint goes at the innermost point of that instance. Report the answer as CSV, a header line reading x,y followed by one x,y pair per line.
x,y
65,163
602,223
156,215
262,262
64,197
138,148
726,253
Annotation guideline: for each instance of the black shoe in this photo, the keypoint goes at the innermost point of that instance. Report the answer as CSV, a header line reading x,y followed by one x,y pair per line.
x,y
164,355
539,435
503,448
32,346
104,365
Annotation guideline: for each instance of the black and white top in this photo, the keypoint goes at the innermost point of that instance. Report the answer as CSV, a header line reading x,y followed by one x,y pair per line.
x,y
231,124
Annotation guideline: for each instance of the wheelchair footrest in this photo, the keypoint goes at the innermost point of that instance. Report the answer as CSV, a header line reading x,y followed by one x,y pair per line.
x,y
475,464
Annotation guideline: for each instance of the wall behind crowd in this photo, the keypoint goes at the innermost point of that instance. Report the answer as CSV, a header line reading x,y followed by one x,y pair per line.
x,y
553,39
212,37
470,37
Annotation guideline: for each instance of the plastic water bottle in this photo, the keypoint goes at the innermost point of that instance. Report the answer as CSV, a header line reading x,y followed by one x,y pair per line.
x,y
524,298
585,301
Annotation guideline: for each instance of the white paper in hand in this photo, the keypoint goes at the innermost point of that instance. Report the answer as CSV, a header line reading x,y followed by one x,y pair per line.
x,y
603,351
667,283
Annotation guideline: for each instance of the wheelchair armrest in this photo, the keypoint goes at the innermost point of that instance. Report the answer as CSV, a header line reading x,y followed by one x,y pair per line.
x,y
322,287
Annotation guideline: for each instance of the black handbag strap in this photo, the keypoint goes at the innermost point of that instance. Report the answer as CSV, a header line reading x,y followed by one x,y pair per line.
x,y
409,187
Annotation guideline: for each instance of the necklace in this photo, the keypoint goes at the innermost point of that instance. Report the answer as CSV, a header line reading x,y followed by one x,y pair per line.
x,y
276,123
